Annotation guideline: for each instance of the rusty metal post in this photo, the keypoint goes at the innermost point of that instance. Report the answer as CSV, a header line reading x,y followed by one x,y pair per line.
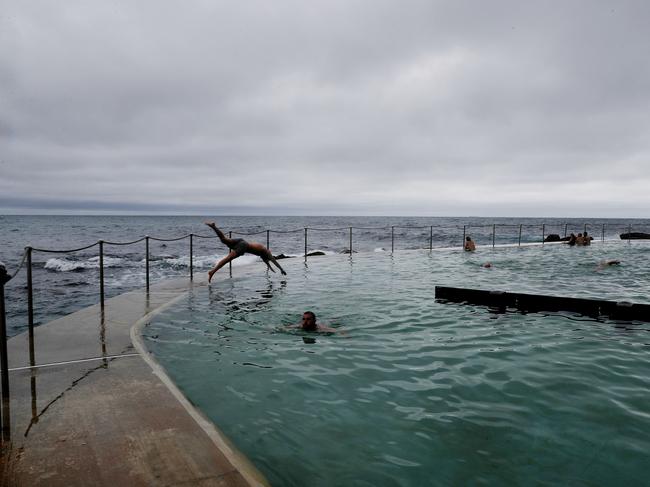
x,y
230,263
350,241
585,229
30,307
305,244
191,256
464,235
543,232
392,239
146,259
494,231
101,273
268,245
519,244
4,360
565,227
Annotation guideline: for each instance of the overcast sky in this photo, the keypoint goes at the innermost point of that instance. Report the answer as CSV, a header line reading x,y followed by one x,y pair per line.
x,y
330,108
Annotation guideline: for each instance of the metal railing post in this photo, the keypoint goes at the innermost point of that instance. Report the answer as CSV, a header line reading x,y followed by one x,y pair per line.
x,y
464,235
146,259
602,235
101,273
4,361
191,256
30,307
430,238
230,263
519,244
585,229
629,231
305,244
350,241
494,231
543,232
565,227
268,246
392,239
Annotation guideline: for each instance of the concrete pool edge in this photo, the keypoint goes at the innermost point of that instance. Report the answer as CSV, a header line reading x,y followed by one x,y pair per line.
x,y
68,408
239,461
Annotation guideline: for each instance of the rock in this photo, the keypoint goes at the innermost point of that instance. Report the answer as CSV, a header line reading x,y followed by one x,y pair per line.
x,y
552,237
635,236
315,252
282,256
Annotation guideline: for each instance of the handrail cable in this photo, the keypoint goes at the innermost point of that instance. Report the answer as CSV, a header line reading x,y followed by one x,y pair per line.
x,y
247,234
288,231
64,251
125,243
329,229
168,239
22,262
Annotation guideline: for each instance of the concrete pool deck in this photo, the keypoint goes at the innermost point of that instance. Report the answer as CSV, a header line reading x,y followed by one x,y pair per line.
x,y
97,409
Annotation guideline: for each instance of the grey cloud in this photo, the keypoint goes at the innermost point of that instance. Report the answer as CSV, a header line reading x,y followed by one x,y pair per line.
x,y
325,107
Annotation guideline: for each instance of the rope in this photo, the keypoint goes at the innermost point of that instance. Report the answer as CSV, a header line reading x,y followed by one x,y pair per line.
x,y
124,243
204,236
168,239
247,234
64,251
19,267
370,228
329,229
287,231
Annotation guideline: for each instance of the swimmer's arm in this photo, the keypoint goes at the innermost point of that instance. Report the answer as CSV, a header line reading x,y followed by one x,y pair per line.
x,y
329,329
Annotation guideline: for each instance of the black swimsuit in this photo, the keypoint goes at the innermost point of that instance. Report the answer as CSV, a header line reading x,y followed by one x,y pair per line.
x,y
239,246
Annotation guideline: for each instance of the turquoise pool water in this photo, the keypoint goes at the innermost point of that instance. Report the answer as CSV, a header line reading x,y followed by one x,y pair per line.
x,y
418,392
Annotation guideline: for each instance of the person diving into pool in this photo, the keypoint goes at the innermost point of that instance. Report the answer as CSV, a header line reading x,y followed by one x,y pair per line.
x,y
239,247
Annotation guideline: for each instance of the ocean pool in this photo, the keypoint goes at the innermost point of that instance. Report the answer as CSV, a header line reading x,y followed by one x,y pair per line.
x,y
417,392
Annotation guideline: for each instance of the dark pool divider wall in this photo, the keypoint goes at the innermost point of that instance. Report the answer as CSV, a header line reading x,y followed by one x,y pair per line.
x,y
617,310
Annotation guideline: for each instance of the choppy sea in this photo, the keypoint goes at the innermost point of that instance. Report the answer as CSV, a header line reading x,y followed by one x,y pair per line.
x,y
65,282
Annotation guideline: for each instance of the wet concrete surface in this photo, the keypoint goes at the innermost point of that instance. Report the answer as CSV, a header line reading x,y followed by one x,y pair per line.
x,y
95,409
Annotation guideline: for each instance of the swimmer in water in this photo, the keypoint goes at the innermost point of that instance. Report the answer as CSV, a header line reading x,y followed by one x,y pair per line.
x,y
239,247
308,323
607,263
470,246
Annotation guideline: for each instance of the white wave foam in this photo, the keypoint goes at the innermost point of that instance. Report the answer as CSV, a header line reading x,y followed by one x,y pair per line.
x,y
67,265
380,249
208,261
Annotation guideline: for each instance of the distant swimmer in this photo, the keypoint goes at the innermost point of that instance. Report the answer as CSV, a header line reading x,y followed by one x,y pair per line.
x,y
469,244
607,263
572,239
488,265
308,323
239,247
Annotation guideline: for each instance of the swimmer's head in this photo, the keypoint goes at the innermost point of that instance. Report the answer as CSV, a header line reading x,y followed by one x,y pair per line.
x,y
308,321
468,238
487,265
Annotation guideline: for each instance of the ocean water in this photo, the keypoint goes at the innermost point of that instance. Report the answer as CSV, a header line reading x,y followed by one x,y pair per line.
x,y
413,392
64,283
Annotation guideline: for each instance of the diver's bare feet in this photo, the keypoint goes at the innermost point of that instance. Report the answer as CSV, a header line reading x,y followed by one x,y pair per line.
x,y
210,274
